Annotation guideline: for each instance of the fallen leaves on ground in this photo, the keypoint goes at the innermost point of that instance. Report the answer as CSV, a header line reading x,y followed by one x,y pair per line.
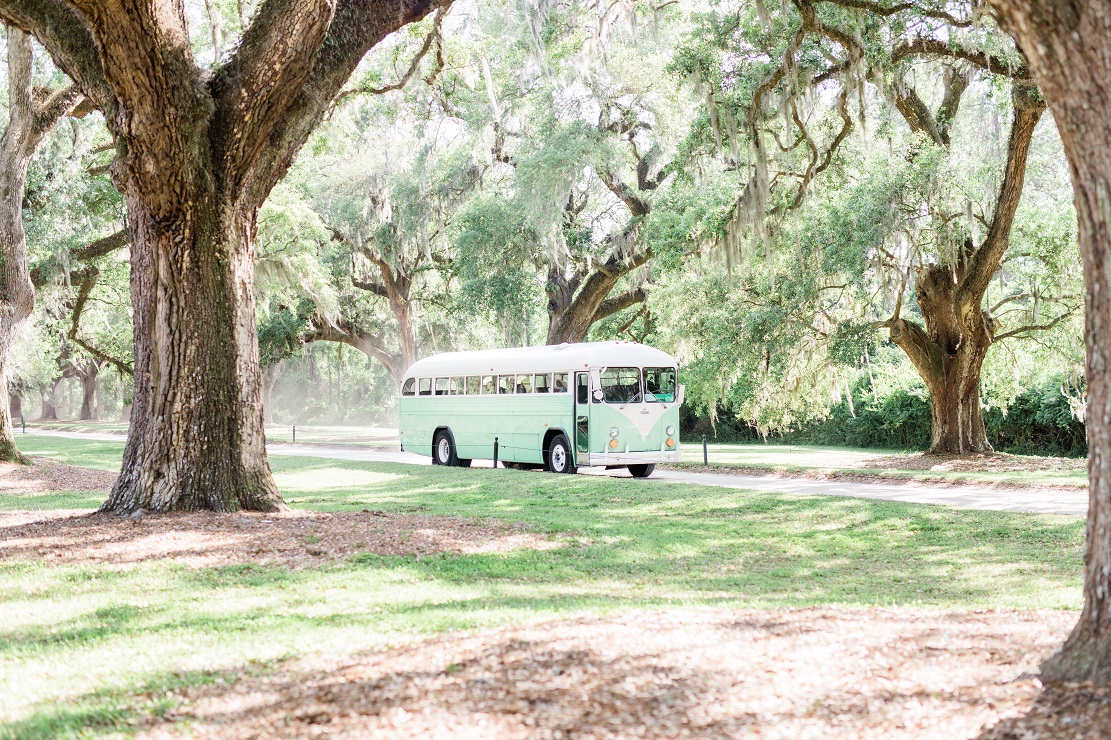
x,y
996,462
48,475
293,539
790,673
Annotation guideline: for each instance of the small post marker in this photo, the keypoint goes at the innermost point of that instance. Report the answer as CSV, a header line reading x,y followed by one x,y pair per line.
x,y
705,452
294,435
495,452
23,421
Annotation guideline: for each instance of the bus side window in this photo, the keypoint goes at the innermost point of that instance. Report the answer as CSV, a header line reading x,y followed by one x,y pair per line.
x,y
542,384
560,384
473,385
409,387
456,386
505,384
584,388
426,386
489,384
524,384
441,386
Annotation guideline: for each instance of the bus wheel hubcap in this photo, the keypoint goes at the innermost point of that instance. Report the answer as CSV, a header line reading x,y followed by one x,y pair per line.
x,y
444,450
559,458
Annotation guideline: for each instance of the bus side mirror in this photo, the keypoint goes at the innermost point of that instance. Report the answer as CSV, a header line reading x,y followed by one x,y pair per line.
x,y
679,395
598,395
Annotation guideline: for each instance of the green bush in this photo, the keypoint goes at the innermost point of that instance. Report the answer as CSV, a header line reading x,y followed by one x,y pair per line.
x,y
1038,421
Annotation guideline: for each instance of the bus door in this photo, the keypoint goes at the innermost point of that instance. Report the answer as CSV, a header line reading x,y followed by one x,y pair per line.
x,y
582,418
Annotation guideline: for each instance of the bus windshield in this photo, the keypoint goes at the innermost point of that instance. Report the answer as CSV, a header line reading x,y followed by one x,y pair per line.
x,y
621,384
659,384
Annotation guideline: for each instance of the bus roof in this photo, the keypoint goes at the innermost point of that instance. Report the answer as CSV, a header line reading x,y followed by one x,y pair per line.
x,y
551,358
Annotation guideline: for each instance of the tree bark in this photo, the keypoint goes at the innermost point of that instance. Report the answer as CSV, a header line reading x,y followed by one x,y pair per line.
x,y
1068,47
197,439
15,405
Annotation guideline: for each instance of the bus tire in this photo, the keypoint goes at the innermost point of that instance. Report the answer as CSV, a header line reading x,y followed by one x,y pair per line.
x,y
561,458
642,471
443,449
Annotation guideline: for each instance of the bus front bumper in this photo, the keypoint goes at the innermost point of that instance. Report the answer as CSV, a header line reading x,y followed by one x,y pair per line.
x,y
634,458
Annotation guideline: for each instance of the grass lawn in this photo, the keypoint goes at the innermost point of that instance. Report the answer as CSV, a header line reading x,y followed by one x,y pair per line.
x,y
94,647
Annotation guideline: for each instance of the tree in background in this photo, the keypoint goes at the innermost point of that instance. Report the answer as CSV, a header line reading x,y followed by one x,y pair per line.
x,y
782,124
32,113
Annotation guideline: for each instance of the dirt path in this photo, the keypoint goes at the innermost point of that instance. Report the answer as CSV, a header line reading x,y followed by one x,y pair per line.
x,y
791,673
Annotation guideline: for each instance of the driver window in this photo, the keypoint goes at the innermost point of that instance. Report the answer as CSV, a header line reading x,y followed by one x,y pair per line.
x,y
584,388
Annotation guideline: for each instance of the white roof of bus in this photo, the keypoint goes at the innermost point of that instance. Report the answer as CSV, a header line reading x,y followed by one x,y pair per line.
x,y
540,359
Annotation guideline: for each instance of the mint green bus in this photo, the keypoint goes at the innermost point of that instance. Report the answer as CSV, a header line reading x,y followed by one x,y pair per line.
x,y
611,404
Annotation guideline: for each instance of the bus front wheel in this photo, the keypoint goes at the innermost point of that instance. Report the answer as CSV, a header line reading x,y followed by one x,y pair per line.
x,y
642,471
443,449
560,456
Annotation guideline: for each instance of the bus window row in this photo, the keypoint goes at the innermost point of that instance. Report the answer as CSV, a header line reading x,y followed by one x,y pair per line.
x,y
474,385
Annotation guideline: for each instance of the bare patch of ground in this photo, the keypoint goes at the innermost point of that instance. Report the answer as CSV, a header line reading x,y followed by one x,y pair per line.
x,y
791,673
918,468
294,539
997,462
48,475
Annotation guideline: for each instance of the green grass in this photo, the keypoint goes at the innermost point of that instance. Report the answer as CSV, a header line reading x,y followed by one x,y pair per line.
x,y
807,460
81,646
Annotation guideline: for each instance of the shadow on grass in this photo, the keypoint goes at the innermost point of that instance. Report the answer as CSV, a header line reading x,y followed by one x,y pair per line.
x,y
114,710
648,674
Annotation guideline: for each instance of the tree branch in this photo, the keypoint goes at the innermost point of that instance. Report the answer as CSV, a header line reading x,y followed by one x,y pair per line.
x,y
436,34
265,76
889,10
1034,327
1028,108
929,47
67,38
44,272
628,299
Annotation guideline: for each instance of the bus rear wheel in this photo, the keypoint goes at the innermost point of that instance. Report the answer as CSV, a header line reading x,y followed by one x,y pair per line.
x,y
642,471
560,456
443,449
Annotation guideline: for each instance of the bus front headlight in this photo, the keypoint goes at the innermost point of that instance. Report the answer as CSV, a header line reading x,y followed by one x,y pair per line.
x,y
670,431
613,432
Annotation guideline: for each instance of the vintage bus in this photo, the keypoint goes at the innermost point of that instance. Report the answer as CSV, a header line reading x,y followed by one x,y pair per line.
x,y
612,404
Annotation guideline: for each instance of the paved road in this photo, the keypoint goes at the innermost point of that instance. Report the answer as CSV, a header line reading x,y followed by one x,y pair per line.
x,y
959,497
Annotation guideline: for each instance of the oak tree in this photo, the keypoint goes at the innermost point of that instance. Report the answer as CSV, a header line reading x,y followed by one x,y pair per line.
x,y
198,151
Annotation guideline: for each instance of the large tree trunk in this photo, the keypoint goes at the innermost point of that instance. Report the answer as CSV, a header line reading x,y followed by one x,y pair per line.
x,y
949,355
15,405
197,439
1068,46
